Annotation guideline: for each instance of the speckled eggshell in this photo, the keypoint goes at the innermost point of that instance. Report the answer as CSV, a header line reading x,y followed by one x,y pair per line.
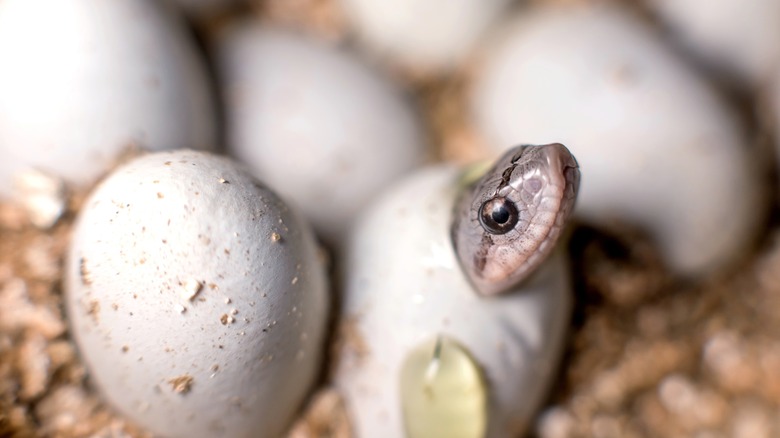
x,y
741,37
403,287
196,297
432,35
316,123
83,80
661,150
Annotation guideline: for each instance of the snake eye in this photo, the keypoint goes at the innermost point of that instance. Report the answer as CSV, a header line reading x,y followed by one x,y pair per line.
x,y
498,215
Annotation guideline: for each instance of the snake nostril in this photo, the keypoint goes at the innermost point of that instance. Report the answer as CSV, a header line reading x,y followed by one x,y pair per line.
x,y
532,185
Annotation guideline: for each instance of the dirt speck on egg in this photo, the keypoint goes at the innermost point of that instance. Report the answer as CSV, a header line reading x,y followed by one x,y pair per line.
x,y
181,384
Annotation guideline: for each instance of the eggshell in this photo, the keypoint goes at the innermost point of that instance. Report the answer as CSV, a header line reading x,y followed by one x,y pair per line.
x,y
404,287
740,37
431,35
82,80
658,148
317,124
196,297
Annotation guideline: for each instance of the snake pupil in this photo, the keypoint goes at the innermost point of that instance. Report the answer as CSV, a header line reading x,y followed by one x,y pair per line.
x,y
498,215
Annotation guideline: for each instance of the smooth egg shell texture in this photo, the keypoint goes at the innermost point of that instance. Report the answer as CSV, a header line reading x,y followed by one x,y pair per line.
x,y
403,287
739,36
423,34
658,148
321,127
82,80
196,297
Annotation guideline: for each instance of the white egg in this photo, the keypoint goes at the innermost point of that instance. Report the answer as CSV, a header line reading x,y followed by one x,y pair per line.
x,y
741,37
423,34
82,80
317,124
404,288
658,148
196,297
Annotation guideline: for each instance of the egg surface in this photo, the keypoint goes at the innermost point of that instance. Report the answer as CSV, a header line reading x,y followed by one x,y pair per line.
x,y
196,297
82,81
739,37
429,35
316,123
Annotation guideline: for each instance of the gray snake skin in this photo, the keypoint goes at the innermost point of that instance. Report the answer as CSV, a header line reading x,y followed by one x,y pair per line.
x,y
508,222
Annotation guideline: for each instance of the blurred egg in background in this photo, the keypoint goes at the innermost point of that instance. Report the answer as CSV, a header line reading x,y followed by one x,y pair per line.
x,y
83,81
737,38
319,124
428,35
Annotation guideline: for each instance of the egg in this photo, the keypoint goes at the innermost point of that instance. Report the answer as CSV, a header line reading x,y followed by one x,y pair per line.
x,y
84,80
739,37
428,35
197,298
422,352
663,152
316,123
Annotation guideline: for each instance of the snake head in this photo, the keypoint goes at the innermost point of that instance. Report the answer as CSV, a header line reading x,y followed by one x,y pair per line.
x,y
508,222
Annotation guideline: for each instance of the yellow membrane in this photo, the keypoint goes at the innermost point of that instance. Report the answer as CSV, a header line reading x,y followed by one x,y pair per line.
x,y
443,393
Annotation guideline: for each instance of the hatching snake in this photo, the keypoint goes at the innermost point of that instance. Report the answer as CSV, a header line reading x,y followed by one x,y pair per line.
x,y
508,222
